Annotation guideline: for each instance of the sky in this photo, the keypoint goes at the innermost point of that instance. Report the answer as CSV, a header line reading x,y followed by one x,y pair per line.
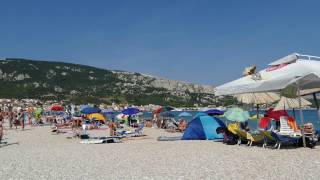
x,y
198,41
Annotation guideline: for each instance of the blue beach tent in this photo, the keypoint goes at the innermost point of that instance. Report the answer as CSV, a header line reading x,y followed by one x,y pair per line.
x,y
203,128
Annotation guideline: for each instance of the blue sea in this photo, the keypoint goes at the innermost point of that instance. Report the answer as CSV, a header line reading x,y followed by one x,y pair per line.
x,y
309,116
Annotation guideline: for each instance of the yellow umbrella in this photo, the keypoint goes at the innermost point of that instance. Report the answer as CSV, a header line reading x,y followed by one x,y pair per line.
x,y
97,116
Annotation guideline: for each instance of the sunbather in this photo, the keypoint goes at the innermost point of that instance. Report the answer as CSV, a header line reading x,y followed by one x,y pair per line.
x,y
182,125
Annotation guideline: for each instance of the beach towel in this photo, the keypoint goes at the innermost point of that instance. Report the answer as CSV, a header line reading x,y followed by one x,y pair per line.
x,y
165,138
292,123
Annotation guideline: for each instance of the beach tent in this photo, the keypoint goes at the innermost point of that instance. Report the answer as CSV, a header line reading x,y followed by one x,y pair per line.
x,y
203,128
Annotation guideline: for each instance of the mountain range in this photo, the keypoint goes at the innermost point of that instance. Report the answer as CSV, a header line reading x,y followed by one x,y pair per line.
x,y
24,78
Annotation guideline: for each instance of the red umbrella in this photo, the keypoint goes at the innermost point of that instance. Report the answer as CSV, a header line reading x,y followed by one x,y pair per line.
x,y
163,109
264,122
276,114
57,108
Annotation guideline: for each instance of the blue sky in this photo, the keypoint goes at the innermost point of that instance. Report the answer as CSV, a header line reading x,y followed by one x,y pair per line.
x,y
201,41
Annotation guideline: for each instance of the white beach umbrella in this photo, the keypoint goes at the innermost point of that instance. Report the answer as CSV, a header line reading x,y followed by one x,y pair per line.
x,y
288,71
291,103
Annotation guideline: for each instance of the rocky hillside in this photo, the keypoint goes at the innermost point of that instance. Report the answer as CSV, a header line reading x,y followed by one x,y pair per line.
x,y
21,78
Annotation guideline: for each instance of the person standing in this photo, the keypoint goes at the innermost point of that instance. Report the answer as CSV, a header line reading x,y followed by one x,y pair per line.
x,y
1,125
10,117
21,119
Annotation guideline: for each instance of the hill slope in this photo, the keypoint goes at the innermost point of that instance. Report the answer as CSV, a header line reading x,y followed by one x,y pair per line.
x,y
21,78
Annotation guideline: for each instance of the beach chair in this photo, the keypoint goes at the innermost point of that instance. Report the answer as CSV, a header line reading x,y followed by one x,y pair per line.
x,y
250,137
282,139
285,129
267,138
244,136
139,131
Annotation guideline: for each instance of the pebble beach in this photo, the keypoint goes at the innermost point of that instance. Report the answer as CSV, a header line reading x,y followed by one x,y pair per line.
x,y
36,153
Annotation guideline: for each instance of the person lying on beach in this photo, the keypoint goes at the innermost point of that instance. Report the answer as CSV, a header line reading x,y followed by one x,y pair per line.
x,y
182,125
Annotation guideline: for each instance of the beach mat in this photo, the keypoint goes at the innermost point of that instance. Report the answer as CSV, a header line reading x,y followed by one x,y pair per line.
x,y
165,138
101,140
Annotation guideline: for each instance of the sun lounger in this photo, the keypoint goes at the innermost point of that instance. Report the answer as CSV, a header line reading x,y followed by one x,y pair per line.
x,y
267,138
245,136
251,137
284,139
137,132
285,129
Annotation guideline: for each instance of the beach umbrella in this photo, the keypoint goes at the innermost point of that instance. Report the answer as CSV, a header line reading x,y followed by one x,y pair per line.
x,y
57,108
237,114
83,107
276,114
291,71
214,112
185,114
131,111
257,98
97,116
291,103
163,109
90,110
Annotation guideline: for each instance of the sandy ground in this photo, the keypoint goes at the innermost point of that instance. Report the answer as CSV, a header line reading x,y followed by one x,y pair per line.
x,y
37,154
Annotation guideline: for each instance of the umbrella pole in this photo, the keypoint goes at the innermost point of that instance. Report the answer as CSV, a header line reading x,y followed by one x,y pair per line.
x,y
301,117
317,104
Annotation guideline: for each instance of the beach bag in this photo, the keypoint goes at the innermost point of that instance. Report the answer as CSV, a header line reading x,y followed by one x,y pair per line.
x,y
310,142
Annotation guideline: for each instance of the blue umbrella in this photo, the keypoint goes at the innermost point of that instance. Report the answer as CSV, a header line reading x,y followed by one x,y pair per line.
x,y
90,110
214,112
200,114
185,114
83,107
130,111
